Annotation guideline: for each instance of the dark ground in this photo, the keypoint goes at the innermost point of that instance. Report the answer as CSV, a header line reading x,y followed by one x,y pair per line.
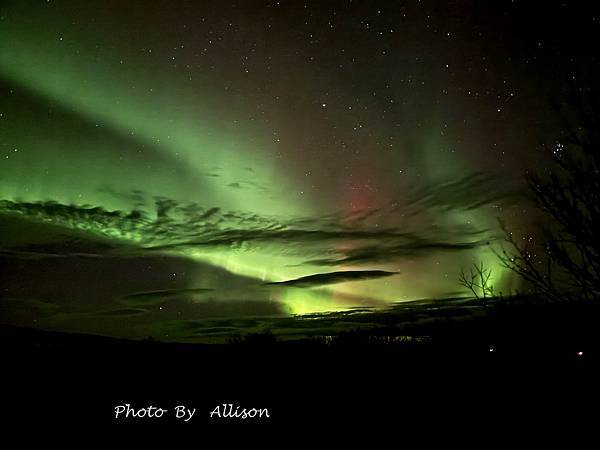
x,y
534,376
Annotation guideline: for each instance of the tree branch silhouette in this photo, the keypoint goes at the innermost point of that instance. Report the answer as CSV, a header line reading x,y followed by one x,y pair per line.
x,y
567,266
478,281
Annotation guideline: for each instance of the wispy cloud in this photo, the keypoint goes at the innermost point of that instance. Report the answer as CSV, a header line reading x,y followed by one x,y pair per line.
x,y
386,252
149,297
467,193
375,235
321,279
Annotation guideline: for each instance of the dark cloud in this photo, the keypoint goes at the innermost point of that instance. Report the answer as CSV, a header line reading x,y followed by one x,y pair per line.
x,y
249,184
23,238
150,297
135,196
161,225
208,214
467,193
320,279
387,252
123,312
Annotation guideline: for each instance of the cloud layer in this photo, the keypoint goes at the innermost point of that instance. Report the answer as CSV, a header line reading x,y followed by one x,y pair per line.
x,y
321,279
170,269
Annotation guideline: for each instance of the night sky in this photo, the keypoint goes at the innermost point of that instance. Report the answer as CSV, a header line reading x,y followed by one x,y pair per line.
x,y
181,169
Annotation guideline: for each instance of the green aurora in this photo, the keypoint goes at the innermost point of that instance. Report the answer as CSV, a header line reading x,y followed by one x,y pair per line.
x,y
181,183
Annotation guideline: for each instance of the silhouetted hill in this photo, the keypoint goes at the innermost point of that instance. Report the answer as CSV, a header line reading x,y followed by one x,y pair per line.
x,y
524,362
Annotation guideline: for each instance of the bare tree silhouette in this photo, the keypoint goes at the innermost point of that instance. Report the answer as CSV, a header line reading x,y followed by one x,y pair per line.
x,y
565,263
478,281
